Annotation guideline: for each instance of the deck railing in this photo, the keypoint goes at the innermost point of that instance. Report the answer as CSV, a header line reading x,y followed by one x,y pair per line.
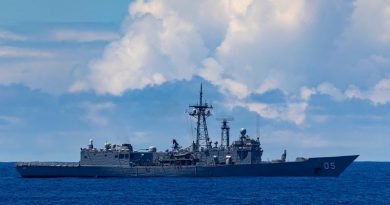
x,y
58,164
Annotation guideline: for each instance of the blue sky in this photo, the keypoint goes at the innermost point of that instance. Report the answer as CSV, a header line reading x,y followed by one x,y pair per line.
x,y
316,74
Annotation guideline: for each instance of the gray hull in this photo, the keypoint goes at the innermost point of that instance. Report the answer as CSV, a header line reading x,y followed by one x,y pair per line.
x,y
323,166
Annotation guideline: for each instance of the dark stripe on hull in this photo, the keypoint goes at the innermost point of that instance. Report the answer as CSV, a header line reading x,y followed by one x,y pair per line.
x,y
324,166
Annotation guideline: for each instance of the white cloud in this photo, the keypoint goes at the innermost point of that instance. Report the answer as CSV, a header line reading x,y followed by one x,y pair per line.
x,y
379,94
9,36
172,40
169,40
291,111
50,70
306,93
212,72
294,110
369,22
251,27
152,51
15,52
331,90
94,110
362,49
82,35
264,110
354,92
269,83
379,59
246,47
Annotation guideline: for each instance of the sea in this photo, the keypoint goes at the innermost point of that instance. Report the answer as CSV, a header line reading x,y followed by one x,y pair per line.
x,y
361,183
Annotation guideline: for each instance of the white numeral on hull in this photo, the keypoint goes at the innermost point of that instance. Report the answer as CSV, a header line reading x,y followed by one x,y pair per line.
x,y
329,165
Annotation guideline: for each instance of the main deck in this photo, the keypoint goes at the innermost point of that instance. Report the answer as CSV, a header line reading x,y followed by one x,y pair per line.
x,y
323,166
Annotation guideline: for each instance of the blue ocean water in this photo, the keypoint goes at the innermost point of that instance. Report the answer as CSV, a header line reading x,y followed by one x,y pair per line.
x,y
361,183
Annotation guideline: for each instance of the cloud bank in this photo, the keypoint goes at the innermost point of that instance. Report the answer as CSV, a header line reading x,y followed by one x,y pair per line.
x,y
220,41
250,47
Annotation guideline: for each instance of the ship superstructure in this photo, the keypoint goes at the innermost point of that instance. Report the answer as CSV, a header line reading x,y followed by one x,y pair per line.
x,y
242,157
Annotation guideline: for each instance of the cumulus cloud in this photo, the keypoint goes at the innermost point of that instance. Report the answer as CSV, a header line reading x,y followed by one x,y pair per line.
x,y
242,47
170,40
158,45
213,73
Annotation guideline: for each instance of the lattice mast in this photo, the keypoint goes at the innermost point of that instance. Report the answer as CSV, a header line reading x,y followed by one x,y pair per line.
x,y
200,112
225,131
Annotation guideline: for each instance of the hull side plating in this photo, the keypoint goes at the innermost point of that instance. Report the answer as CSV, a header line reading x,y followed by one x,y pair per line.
x,y
322,167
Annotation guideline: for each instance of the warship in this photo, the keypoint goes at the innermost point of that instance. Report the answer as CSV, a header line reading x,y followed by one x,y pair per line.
x,y
242,157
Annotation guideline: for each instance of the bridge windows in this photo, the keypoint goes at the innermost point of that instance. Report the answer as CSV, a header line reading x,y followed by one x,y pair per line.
x,y
123,156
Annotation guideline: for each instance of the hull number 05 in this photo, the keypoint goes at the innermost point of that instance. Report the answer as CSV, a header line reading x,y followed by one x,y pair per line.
x,y
329,165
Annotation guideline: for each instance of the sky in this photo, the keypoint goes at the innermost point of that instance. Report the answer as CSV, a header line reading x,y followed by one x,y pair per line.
x,y
311,77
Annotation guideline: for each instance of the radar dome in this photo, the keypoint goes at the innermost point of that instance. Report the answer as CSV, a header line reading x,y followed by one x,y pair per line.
x,y
243,131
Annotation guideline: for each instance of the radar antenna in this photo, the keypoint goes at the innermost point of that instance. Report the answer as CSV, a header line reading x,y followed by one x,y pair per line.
x,y
200,112
225,131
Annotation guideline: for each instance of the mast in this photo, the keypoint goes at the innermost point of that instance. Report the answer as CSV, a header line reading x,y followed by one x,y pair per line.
x,y
200,112
225,131
225,134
